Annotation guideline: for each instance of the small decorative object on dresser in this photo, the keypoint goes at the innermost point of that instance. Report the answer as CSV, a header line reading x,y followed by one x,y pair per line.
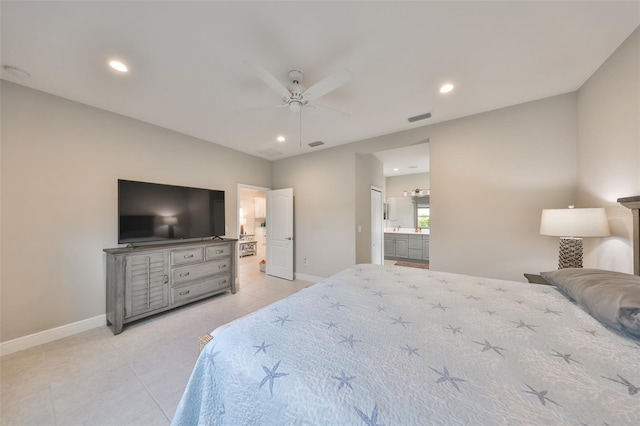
x,y
146,280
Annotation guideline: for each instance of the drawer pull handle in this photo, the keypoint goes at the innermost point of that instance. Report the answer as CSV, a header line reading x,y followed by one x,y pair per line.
x,y
183,293
188,256
219,251
222,282
222,266
184,274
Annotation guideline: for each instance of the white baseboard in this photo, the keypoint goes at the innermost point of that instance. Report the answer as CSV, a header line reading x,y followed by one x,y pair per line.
x,y
46,336
305,277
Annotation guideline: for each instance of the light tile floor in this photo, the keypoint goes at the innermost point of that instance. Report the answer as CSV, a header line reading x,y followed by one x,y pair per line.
x,y
134,378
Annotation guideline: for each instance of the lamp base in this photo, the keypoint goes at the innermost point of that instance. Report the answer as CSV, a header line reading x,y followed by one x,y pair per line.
x,y
570,253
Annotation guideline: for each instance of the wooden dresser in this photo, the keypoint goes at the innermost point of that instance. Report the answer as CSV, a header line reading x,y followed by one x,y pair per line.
x,y
146,280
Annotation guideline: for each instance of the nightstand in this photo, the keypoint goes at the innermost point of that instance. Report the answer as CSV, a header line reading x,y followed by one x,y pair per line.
x,y
536,279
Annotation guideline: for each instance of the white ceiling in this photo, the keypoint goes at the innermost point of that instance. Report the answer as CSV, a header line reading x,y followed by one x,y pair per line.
x,y
188,72
407,160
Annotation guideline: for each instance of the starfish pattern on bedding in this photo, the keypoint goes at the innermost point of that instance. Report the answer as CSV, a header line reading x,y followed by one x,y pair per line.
x,y
489,346
491,313
369,421
331,324
439,305
630,387
271,376
282,320
501,289
350,340
591,332
566,357
420,297
550,311
454,329
413,286
379,293
400,321
446,377
344,380
471,296
324,296
542,395
521,324
211,355
410,350
381,308
261,348
519,302
337,305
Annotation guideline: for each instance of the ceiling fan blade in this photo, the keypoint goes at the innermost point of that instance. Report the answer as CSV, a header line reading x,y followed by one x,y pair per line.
x,y
269,80
328,84
332,110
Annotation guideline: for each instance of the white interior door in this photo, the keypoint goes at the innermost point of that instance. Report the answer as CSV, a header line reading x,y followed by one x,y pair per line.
x,y
377,240
280,233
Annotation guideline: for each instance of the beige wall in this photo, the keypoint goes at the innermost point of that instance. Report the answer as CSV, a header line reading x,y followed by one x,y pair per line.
x,y
609,151
323,185
491,176
60,164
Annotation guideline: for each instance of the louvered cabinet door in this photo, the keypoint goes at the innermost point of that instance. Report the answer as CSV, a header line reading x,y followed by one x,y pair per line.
x,y
147,283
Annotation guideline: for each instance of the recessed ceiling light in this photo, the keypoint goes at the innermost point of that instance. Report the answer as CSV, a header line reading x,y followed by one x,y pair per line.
x,y
396,169
281,138
16,72
446,88
118,66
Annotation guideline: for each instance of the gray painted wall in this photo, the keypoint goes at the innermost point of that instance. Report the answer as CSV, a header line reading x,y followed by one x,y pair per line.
x,y
609,151
60,165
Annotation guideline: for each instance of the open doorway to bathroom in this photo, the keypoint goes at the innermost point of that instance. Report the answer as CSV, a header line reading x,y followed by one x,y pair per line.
x,y
252,231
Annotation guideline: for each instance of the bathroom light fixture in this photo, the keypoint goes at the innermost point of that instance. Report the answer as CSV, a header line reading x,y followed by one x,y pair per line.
x,y
281,138
118,66
416,192
571,225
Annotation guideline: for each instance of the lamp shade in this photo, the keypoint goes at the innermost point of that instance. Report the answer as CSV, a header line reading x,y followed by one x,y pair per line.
x,y
574,223
170,220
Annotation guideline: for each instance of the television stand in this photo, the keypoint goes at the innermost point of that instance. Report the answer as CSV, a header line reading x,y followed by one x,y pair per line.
x,y
147,280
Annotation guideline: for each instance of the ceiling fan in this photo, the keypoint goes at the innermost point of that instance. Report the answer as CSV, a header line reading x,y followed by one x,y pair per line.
x,y
297,98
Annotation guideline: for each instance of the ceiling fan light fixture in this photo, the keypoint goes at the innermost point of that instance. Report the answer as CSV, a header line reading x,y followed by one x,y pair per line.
x,y
295,106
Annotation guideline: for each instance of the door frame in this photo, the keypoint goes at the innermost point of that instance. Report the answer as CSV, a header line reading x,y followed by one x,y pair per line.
x,y
240,186
381,230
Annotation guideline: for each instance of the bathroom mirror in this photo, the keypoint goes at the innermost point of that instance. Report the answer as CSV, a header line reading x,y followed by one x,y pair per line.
x,y
407,212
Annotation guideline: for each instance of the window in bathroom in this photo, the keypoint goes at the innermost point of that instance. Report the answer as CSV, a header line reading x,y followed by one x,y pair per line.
x,y
423,217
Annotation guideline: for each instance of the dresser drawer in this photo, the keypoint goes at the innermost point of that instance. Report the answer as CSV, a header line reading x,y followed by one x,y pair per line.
x,y
201,270
199,288
217,251
186,256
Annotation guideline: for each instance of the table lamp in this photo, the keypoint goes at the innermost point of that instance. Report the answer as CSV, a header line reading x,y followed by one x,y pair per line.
x,y
572,225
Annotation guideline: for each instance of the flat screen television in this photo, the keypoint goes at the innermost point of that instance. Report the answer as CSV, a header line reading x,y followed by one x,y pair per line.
x,y
150,212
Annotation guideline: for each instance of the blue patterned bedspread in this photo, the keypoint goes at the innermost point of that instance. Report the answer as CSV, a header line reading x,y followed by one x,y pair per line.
x,y
386,345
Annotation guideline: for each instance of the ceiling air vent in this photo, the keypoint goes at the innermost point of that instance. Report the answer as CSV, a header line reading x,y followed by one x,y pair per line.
x,y
419,117
316,143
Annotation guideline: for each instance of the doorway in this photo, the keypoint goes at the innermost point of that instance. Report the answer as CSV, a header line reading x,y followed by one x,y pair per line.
x,y
252,230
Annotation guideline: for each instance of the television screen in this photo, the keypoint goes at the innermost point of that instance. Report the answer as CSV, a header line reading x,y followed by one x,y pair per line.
x,y
155,212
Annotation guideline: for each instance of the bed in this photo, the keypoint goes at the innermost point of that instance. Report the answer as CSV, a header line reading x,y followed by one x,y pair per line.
x,y
389,345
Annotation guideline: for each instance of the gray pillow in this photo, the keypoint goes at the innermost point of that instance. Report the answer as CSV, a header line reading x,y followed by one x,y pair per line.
x,y
613,298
